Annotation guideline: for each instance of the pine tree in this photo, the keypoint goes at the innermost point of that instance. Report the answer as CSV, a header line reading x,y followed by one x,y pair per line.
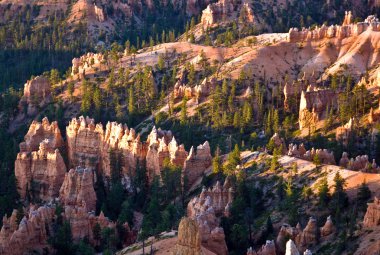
x,y
183,117
323,192
131,102
276,121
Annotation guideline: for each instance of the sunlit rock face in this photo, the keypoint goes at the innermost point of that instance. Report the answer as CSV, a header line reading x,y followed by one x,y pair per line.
x,y
372,216
227,10
313,105
196,163
84,140
78,189
206,209
37,93
39,167
31,234
189,241
348,29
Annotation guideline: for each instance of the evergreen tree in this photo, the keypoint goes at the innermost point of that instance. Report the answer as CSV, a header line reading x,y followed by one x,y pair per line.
x,y
323,192
183,117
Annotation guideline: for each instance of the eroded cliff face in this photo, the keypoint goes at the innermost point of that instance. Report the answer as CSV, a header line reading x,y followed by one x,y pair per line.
x,y
303,239
196,163
34,230
30,234
40,131
189,241
82,222
348,29
84,142
122,144
227,10
37,93
41,174
372,216
313,105
39,167
78,189
206,209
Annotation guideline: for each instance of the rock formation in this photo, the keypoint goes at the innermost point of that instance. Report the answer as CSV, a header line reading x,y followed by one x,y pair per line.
x,y
40,173
279,142
225,10
372,216
35,229
159,149
309,236
84,140
82,222
251,251
347,18
343,133
360,163
86,62
206,210
120,141
313,105
324,155
189,241
291,248
219,198
268,248
328,228
41,131
196,163
78,189
202,90
291,93
37,93
340,32
305,238
31,234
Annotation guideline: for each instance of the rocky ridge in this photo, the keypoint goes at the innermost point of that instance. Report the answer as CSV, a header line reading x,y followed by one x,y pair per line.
x,y
348,29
